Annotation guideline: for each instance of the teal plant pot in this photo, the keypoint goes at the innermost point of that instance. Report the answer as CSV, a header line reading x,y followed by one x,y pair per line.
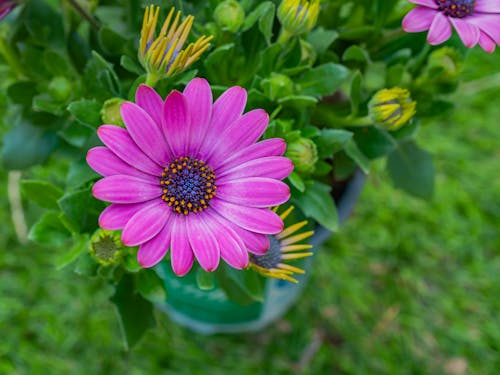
x,y
210,311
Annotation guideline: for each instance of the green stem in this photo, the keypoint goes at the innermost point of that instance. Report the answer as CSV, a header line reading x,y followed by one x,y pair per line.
x,y
151,79
16,207
84,14
284,36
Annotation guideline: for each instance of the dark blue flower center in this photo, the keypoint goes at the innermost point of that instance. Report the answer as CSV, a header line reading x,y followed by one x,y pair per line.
x,y
188,185
271,258
456,8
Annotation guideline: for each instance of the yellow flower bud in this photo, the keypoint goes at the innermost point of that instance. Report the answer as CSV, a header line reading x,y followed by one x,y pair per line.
x,y
298,16
392,108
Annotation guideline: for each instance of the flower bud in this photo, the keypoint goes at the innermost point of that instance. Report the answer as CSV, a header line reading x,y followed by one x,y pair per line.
x,y
229,15
304,154
442,71
59,88
392,108
277,86
298,16
106,247
110,112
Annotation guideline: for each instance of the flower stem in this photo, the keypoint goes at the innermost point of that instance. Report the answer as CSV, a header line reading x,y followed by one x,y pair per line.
x,y
16,207
151,79
84,14
284,36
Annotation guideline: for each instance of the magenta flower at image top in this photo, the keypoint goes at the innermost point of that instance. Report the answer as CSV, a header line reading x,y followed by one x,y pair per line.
x,y
476,21
189,175
6,6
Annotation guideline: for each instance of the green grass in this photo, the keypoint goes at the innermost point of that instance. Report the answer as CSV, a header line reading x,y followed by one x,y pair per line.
x,y
407,287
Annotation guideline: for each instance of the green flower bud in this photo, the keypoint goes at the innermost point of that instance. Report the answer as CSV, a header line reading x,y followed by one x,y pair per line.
x,y
392,108
277,86
442,71
59,88
304,154
298,16
229,15
110,112
106,247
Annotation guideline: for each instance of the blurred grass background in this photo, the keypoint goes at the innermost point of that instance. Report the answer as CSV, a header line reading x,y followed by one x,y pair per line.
x,y
407,287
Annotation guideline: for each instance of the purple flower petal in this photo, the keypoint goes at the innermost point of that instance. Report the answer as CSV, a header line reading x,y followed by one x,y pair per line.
x,y
269,147
180,251
226,109
240,134
254,192
277,167
254,242
119,141
487,6
487,43
203,242
149,100
488,23
145,132
440,30
146,223
176,123
198,96
260,220
152,252
232,248
106,163
466,31
115,216
427,3
418,19
125,189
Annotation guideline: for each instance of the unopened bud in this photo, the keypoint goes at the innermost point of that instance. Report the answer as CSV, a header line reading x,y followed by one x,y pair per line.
x,y
298,16
277,86
110,112
392,108
304,154
106,247
229,15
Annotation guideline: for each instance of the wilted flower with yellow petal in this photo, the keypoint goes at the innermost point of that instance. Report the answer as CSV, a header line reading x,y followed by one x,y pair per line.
x,y
284,246
297,16
106,247
162,56
392,108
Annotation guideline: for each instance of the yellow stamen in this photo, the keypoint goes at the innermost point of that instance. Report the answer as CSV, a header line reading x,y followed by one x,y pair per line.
x,y
296,238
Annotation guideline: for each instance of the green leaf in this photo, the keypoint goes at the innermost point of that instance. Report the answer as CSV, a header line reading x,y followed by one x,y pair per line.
x,y
352,150
70,256
131,65
79,173
321,39
111,42
205,280
135,314
86,112
49,230
316,202
331,141
46,103
234,291
297,181
57,64
82,209
374,142
248,281
356,53
150,286
322,80
266,21
44,24
100,79
22,92
43,193
76,134
412,170
27,145
86,265
257,14
298,102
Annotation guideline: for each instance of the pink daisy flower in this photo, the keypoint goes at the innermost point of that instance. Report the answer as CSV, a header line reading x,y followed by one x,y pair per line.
x,y
188,175
476,21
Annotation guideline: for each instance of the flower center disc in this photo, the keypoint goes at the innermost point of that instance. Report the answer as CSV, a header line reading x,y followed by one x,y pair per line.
x,y
271,258
188,185
456,8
